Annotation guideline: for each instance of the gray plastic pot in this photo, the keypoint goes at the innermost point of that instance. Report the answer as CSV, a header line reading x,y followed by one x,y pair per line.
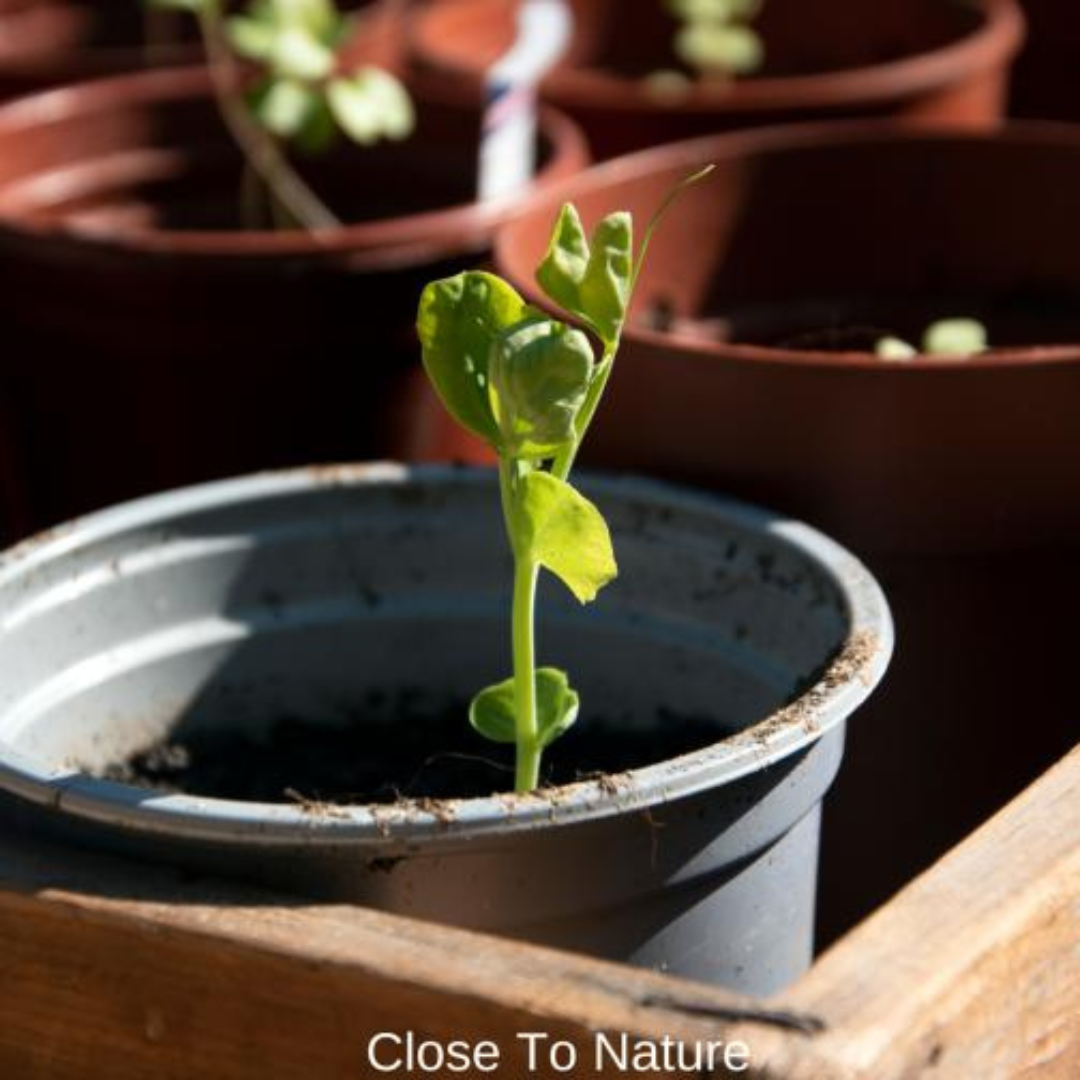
x,y
299,593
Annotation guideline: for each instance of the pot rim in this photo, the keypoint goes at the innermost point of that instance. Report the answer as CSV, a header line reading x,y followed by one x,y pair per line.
x,y
999,36
86,61
849,680
390,241
693,153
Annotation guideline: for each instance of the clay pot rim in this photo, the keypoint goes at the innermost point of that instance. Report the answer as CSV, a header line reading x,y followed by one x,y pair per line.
x,y
91,61
98,58
998,37
388,242
693,153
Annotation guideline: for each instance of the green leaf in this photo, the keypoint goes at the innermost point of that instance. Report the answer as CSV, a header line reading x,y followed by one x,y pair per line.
x,y
560,529
726,48
319,131
389,93
894,348
540,372
493,711
955,337
318,18
459,321
298,54
251,38
591,279
370,105
356,113
284,107
605,289
567,259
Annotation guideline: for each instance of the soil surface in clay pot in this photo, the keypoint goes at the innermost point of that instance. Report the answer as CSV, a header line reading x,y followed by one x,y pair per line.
x,y
842,324
946,59
1045,81
153,342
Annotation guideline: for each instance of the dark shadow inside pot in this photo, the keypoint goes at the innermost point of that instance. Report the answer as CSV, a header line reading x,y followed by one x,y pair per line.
x,y
894,234
349,679
395,744
1017,319
846,34
1044,85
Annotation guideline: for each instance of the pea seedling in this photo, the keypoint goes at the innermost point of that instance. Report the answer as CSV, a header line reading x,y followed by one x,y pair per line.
x,y
300,96
715,39
946,337
529,385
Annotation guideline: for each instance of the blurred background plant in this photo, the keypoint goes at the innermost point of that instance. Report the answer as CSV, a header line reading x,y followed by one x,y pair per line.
x,y
715,39
960,337
299,94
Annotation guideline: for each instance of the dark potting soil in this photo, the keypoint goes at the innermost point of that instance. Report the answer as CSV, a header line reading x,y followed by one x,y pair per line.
x,y
428,757
1017,319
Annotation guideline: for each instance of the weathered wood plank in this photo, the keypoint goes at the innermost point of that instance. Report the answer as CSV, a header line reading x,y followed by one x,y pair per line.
x,y
974,969
112,970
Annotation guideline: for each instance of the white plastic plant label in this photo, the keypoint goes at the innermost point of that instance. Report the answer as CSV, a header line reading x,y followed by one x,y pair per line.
x,y
508,136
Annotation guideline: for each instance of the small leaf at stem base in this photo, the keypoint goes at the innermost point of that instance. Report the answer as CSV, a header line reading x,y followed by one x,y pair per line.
x,y
493,711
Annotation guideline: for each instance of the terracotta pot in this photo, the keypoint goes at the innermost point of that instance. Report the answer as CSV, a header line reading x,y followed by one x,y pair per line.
x,y
54,42
47,42
149,342
958,481
942,59
1045,84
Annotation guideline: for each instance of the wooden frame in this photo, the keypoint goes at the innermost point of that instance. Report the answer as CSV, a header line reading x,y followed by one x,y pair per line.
x,y
114,970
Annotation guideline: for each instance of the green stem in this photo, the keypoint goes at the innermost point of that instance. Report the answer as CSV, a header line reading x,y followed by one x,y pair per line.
x,y
527,773
526,573
259,148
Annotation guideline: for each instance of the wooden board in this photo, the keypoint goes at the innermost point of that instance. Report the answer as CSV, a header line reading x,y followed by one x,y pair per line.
x,y
113,970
